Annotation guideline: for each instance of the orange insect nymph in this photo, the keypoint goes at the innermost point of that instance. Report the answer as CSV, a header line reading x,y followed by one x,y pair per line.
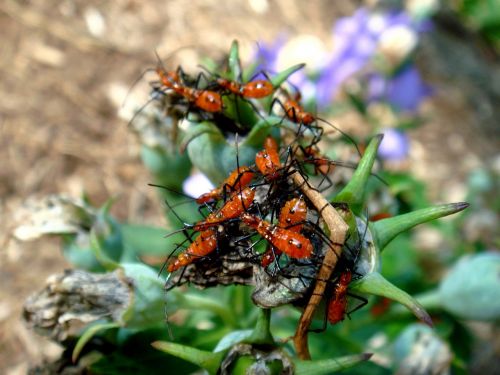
x,y
237,180
338,303
294,244
204,244
233,208
291,217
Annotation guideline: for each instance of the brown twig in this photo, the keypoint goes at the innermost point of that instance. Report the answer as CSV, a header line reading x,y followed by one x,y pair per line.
x,y
338,231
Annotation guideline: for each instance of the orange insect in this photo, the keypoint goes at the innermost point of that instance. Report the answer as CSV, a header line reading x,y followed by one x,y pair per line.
x,y
338,303
295,112
233,208
204,244
268,160
321,164
207,100
294,244
252,90
237,180
291,216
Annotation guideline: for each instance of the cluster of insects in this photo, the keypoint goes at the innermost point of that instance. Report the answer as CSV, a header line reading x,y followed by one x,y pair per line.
x,y
258,227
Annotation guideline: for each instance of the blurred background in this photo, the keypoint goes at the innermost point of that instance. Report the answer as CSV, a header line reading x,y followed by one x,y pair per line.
x,y
66,68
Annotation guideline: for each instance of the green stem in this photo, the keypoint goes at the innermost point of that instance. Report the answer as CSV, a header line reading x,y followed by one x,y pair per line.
x,y
262,333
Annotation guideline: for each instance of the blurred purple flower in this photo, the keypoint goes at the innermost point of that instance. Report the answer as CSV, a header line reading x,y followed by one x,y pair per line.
x,y
356,39
404,91
394,146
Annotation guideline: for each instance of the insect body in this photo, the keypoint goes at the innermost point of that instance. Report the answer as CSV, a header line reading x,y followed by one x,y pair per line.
x,y
268,160
338,303
294,112
291,217
237,180
206,100
204,244
294,244
233,208
252,90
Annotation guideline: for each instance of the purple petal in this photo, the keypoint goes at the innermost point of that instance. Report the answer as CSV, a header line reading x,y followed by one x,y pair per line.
x,y
394,146
406,90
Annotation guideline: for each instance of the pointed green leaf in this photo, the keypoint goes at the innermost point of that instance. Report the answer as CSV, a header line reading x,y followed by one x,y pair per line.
x,y
261,130
281,77
277,80
329,366
87,336
207,360
239,110
96,244
387,229
233,62
375,284
354,192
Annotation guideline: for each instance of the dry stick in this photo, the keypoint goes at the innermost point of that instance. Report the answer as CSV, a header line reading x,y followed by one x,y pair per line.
x,y
338,232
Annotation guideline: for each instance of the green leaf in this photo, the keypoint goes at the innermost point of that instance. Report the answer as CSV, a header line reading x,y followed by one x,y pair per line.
x,y
168,170
147,240
281,77
354,192
256,136
197,302
233,338
239,110
99,251
147,307
375,284
213,155
471,288
207,360
329,366
277,80
387,229
233,62
90,332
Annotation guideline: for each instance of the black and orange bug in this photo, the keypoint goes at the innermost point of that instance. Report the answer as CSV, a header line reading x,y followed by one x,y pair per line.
x,y
237,204
257,89
293,244
237,180
206,100
292,216
206,242
337,305
268,161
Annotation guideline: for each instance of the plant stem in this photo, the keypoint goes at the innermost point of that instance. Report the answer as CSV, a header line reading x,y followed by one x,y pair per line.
x,y
338,231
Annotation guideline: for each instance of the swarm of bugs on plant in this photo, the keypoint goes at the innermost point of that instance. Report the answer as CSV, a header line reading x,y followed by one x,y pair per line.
x,y
259,226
